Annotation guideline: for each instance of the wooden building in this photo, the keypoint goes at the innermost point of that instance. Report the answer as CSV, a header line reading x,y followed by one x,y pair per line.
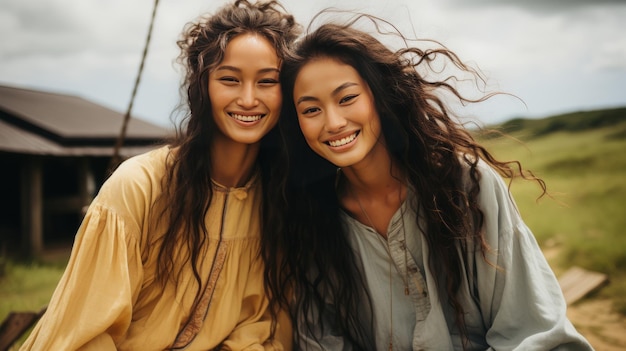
x,y
55,151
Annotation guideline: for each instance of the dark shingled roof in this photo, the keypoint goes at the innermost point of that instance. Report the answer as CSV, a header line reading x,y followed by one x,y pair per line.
x,y
37,122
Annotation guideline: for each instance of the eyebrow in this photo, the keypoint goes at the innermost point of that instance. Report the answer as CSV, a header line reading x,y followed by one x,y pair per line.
x,y
235,69
333,93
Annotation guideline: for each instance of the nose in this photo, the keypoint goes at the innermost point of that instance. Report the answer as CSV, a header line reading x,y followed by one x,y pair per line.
x,y
248,97
335,121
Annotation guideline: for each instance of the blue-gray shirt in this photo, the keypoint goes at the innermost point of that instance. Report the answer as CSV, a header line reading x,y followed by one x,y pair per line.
x,y
512,301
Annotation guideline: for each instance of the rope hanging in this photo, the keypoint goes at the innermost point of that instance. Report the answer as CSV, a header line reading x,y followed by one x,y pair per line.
x,y
116,159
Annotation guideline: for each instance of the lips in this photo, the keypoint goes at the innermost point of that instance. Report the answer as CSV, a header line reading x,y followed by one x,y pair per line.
x,y
246,118
343,141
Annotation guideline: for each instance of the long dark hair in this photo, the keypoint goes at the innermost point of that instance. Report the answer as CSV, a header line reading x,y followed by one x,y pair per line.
x,y
311,254
187,190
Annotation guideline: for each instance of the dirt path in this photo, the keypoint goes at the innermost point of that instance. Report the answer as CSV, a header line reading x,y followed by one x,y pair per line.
x,y
605,330
594,318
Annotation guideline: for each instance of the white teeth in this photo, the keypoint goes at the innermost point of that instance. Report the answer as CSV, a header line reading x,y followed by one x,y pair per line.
x,y
342,141
246,118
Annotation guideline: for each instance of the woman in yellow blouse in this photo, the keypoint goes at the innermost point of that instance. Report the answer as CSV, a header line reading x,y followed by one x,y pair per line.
x,y
167,256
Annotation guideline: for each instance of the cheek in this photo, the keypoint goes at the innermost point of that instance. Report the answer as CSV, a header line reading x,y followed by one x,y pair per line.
x,y
217,96
375,127
273,99
373,120
308,128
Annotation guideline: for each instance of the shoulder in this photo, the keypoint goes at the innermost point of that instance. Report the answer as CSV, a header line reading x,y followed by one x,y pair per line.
x,y
148,164
490,181
136,179
494,196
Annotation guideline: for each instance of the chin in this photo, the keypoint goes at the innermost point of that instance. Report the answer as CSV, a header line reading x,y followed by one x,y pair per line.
x,y
248,140
341,163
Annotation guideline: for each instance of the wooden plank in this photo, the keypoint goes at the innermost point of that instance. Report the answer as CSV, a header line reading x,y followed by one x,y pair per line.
x,y
577,282
16,324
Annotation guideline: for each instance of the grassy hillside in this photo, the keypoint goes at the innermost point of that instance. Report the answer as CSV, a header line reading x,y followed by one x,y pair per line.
x,y
582,158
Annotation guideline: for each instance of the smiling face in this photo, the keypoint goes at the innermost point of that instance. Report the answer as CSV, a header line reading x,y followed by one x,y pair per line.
x,y
245,91
336,112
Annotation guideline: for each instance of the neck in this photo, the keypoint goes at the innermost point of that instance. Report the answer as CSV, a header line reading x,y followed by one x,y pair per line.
x,y
377,192
232,163
377,178
372,192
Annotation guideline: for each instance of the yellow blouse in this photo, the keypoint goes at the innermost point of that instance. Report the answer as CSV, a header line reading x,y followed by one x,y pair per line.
x,y
108,298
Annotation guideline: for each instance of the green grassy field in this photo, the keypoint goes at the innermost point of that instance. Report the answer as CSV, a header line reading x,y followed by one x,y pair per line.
x,y
27,286
582,158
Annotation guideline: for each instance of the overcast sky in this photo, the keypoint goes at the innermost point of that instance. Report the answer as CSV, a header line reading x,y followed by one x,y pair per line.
x,y
557,56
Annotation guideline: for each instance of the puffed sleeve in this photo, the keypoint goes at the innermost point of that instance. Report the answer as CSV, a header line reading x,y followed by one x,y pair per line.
x,y
520,299
91,307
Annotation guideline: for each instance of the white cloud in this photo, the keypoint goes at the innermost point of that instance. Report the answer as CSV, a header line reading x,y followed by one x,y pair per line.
x,y
536,6
549,58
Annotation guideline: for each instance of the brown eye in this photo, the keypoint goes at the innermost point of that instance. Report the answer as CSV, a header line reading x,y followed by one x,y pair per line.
x,y
268,81
310,110
228,80
347,98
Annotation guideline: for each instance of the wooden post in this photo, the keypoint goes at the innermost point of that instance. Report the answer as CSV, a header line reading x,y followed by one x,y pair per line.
x,y
32,205
87,184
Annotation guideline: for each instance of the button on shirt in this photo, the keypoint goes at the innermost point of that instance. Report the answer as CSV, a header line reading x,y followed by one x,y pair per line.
x,y
394,276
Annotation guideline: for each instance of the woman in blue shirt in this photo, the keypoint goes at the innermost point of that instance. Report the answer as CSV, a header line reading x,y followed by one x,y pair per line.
x,y
400,232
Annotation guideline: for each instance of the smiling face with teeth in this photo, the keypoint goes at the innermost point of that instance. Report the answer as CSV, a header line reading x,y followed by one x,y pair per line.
x,y
336,113
245,91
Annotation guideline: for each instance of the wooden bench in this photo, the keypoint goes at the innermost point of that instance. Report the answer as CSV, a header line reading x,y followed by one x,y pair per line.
x,y
577,283
15,325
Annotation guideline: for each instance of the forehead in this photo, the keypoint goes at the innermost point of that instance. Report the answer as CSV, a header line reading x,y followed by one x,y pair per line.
x,y
250,48
321,74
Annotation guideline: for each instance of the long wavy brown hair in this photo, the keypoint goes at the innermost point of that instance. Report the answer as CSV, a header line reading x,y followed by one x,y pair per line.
x,y
309,253
187,190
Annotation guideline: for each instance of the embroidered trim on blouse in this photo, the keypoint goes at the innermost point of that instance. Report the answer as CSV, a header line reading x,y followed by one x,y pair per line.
x,y
192,328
